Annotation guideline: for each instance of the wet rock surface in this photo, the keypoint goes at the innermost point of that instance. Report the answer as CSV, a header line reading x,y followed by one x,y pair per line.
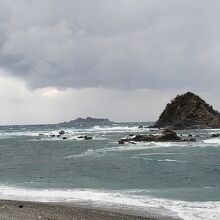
x,y
167,135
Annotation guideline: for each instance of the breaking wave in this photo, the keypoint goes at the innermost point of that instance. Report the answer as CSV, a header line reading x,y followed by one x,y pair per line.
x,y
123,200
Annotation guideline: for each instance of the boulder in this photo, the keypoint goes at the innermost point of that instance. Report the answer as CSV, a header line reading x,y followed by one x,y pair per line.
x,y
215,135
62,132
88,138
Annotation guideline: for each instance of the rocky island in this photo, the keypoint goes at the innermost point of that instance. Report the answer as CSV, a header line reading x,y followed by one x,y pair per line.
x,y
188,111
87,120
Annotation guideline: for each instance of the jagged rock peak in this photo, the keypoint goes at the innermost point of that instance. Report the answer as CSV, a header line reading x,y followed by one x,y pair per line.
x,y
188,111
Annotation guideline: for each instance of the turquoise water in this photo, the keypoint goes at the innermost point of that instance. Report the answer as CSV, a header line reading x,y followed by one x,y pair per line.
x,y
180,179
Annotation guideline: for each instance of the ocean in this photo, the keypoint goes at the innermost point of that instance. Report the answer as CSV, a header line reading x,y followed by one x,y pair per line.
x,y
172,179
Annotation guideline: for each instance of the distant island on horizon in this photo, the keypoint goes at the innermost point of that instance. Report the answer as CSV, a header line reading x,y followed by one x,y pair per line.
x,y
87,120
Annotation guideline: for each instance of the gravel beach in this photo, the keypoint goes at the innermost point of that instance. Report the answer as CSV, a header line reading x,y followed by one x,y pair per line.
x,y
19,210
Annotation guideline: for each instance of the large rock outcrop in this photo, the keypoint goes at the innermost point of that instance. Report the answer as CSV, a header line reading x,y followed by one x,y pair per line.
x,y
188,111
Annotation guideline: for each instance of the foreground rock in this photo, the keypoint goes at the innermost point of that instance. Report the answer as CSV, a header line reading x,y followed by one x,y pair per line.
x,y
167,136
188,111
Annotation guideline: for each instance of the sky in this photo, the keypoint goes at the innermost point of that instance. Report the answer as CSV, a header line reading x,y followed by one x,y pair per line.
x,y
119,59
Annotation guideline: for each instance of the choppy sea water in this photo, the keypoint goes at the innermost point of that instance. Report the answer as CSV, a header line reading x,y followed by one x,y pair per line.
x,y
175,179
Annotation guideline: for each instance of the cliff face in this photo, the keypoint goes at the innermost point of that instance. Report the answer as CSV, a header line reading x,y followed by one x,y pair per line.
x,y
188,111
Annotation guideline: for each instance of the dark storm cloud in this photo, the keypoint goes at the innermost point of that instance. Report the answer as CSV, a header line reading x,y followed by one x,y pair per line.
x,y
113,44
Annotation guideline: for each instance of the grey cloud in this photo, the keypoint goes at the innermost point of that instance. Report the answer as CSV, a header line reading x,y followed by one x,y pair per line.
x,y
126,44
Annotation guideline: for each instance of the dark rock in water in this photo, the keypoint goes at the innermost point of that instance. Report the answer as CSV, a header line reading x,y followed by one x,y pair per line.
x,y
188,111
64,138
168,131
84,137
88,138
140,127
58,135
215,135
192,140
189,135
166,136
62,132
41,134
52,135
122,141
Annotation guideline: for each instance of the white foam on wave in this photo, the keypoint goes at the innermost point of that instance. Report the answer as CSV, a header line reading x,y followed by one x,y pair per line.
x,y
84,154
124,148
161,160
18,133
73,131
126,199
109,129
106,129
139,146
171,160
158,153
212,141
103,151
144,145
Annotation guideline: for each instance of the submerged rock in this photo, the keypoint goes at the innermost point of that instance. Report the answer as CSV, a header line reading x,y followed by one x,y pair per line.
x,y
84,137
88,138
167,136
215,135
62,132
188,111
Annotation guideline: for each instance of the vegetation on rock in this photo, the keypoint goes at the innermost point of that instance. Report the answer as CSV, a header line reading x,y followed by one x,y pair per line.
x,y
188,111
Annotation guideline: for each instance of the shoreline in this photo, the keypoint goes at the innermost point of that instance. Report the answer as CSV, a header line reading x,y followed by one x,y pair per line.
x,y
25,210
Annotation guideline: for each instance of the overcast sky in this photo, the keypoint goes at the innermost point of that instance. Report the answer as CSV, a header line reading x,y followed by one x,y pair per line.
x,y
120,59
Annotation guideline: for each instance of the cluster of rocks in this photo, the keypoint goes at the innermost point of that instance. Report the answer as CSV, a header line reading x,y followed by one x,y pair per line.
x,y
188,111
65,135
167,135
